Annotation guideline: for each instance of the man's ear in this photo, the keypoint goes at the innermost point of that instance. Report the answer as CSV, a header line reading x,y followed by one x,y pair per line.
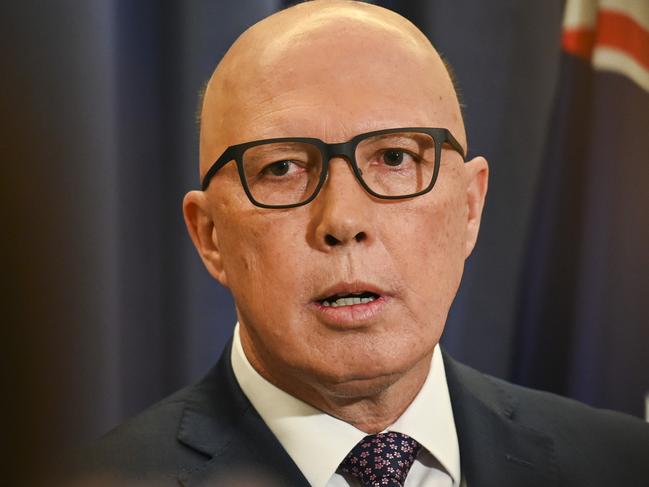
x,y
203,233
477,177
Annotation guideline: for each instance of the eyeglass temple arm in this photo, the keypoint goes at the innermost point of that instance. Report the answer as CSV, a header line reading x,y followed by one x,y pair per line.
x,y
226,157
455,144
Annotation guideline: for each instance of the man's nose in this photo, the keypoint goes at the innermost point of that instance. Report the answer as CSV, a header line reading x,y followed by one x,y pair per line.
x,y
342,208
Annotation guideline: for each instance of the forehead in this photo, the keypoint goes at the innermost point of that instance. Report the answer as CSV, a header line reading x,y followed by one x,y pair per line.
x,y
330,80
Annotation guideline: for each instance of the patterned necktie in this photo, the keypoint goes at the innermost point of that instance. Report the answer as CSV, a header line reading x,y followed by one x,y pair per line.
x,y
381,460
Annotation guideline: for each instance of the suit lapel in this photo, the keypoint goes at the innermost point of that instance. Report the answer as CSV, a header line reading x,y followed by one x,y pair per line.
x,y
496,449
219,422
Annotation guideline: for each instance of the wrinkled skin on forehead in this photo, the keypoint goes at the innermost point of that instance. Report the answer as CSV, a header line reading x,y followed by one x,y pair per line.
x,y
333,71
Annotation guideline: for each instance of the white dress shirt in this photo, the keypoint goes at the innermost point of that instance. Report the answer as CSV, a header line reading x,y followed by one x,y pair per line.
x,y
318,442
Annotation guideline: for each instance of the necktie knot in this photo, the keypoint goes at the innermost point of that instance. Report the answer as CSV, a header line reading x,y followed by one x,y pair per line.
x,y
381,460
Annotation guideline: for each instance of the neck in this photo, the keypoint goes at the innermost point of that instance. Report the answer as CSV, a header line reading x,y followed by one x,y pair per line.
x,y
374,410
371,405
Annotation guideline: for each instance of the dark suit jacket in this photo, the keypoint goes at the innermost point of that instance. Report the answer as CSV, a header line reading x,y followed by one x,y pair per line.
x,y
508,436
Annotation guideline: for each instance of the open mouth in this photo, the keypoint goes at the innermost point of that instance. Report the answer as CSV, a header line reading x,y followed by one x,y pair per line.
x,y
349,299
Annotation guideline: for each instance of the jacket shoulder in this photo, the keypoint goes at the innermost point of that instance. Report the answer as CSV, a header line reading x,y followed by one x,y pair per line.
x,y
587,442
572,421
145,447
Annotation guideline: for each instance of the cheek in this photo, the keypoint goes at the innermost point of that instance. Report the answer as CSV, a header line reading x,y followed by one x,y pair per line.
x,y
430,250
448,213
262,258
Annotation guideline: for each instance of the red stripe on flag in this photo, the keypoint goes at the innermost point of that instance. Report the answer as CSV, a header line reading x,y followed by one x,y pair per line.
x,y
621,32
579,42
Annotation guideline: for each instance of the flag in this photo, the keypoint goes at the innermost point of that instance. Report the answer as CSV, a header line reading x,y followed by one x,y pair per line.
x,y
583,327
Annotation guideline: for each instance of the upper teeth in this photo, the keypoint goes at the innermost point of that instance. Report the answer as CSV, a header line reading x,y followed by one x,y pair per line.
x,y
347,301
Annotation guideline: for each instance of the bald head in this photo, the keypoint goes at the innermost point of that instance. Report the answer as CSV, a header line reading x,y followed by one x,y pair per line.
x,y
322,52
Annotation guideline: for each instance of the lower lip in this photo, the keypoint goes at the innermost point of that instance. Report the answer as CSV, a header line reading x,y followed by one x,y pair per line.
x,y
355,314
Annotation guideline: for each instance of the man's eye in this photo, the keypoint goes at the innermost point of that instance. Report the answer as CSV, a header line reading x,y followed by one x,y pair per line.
x,y
393,157
279,168
396,157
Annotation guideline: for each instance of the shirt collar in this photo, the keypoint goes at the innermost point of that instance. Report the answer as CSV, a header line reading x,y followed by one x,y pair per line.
x,y
318,442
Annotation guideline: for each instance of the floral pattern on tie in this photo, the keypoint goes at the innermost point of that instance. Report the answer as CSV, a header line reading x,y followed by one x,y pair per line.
x,y
381,460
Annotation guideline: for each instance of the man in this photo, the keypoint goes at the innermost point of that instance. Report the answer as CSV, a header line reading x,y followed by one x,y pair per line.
x,y
338,207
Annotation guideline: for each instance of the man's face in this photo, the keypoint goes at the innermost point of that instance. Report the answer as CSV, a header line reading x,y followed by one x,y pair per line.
x,y
281,263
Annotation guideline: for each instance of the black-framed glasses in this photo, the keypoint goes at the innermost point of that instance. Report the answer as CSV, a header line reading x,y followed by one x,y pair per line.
x,y
290,171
